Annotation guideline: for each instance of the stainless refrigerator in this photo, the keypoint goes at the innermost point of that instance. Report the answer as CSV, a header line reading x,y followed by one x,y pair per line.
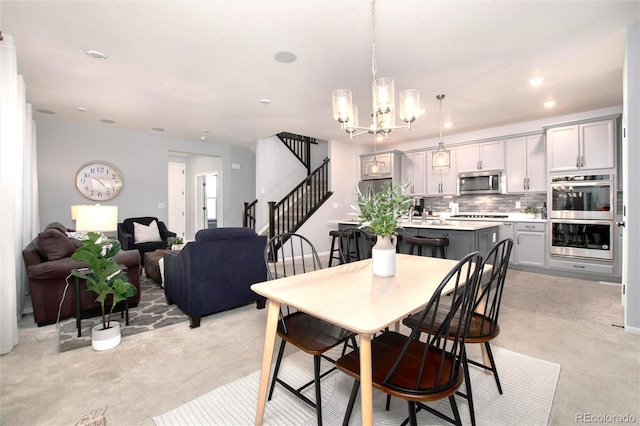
x,y
373,186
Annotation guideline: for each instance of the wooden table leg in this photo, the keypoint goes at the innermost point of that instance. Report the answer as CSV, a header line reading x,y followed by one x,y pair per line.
x,y
273,313
366,387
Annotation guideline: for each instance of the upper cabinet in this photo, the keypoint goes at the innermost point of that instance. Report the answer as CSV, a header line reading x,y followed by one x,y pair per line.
x,y
480,156
442,181
582,146
526,164
414,172
381,165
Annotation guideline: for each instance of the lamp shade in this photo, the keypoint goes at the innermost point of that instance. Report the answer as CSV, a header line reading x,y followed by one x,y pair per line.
x,y
97,218
342,105
441,159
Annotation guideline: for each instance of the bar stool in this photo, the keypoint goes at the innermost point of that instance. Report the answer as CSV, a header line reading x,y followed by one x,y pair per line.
x,y
434,243
334,253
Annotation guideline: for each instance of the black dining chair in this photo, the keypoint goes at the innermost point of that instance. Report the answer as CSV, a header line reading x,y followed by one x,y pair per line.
x,y
483,326
291,254
424,371
355,244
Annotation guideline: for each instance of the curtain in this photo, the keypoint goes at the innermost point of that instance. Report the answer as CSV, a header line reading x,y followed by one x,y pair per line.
x,y
18,191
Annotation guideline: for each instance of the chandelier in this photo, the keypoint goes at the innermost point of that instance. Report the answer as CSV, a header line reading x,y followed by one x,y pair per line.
x,y
383,102
441,159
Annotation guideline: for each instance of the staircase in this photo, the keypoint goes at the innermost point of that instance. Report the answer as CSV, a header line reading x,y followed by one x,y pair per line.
x,y
290,213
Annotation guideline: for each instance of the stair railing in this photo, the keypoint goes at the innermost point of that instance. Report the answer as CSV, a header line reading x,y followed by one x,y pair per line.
x,y
290,213
300,146
249,215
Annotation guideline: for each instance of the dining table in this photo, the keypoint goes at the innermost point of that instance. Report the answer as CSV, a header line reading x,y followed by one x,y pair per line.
x,y
350,296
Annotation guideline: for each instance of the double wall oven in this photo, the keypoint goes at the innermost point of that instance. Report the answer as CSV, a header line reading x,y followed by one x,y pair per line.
x,y
582,216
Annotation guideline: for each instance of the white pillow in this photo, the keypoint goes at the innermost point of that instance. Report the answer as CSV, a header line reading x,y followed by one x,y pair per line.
x,y
146,234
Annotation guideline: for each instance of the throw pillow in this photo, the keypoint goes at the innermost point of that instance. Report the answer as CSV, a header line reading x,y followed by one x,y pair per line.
x,y
146,234
53,245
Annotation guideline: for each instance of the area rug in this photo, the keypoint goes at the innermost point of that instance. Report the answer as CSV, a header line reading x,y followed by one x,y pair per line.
x,y
151,313
528,384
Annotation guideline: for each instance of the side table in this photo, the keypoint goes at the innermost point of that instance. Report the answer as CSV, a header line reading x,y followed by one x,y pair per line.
x,y
79,307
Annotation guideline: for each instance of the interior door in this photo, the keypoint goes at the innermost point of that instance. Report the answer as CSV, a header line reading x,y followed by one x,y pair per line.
x,y
176,198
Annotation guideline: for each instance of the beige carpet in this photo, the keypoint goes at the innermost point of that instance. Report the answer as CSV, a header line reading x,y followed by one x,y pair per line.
x,y
528,383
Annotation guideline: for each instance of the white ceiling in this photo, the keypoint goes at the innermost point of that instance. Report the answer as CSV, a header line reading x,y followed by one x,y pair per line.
x,y
185,66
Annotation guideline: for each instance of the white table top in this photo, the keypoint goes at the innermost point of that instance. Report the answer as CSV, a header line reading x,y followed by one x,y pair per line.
x,y
351,296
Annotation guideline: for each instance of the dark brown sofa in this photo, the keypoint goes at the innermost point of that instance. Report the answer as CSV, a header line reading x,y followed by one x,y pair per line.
x,y
48,263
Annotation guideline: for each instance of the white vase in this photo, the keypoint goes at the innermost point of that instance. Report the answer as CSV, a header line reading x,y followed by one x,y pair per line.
x,y
383,254
103,339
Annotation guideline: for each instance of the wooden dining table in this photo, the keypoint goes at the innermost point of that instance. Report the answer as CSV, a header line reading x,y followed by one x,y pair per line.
x,y
350,296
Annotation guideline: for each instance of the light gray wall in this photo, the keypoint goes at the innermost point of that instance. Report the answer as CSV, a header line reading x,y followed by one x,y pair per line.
x,y
63,147
632,125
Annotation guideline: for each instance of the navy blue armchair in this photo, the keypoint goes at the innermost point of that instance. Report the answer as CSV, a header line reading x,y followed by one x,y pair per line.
x,y
215,272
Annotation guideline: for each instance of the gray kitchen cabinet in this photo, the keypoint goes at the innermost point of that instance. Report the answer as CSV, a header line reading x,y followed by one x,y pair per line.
x,y
414,172
530,242
581,146
507,230
389,166
526,164
461,243
480,156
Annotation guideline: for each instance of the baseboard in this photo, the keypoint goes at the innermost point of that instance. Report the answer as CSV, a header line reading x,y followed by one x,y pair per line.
x,y
632,330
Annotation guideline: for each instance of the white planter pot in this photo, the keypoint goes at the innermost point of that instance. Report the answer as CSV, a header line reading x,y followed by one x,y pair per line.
x,y
384,256
101,340
530,215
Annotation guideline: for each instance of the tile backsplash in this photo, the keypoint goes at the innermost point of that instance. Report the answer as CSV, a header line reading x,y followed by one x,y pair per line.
x,y
486,203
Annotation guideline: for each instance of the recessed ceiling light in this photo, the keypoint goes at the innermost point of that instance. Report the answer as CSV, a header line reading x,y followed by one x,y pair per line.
x,y
550,104
536,81
96,54
157,129
265,101
203,138
285,57
46,111
107,121
448,125
81,109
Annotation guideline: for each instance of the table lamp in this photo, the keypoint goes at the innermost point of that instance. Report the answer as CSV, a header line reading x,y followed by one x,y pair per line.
x,y
96,218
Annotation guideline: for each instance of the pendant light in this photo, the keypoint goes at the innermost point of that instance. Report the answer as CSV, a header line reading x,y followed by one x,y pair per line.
x,y
441,159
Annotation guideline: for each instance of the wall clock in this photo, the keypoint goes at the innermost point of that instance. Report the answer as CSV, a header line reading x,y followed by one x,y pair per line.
x,y
99,181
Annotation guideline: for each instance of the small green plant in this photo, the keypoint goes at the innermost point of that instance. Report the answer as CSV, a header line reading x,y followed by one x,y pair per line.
x,y
381,211
531,209
103,276
174,241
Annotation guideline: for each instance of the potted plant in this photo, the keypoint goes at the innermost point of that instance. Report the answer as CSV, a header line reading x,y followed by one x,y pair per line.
x,y
380,213
176,243
531,211
104,277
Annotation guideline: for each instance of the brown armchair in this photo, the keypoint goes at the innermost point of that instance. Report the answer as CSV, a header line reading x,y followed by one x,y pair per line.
x,y
48,264
129,241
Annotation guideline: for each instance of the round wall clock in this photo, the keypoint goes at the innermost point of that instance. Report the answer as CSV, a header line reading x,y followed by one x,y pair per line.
x,y
99,181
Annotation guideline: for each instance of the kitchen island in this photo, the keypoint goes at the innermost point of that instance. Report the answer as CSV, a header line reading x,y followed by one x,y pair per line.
x,y
464,236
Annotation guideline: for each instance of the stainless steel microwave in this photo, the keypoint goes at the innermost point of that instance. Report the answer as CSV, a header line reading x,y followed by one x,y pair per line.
x,y
481,182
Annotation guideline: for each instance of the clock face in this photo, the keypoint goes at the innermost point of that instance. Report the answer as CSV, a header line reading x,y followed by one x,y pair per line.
x,y
99,181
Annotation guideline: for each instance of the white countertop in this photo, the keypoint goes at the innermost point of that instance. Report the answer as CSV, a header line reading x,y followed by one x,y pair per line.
x,y
454,225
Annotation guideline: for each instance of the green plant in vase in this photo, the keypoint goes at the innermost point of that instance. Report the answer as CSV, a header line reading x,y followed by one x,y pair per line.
x,y
380,212
103,275
174,241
